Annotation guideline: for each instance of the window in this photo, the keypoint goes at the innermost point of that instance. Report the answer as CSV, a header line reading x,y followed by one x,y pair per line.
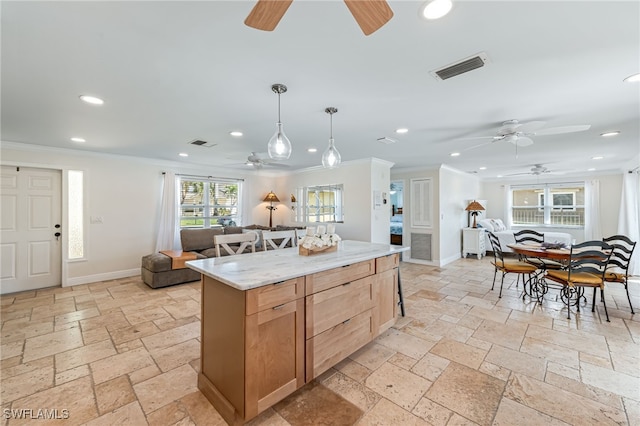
x,y
75,207
322,203
206,203
548,205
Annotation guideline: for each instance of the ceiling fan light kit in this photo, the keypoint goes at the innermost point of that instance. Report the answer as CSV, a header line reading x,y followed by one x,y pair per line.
x,y
331,157
279,146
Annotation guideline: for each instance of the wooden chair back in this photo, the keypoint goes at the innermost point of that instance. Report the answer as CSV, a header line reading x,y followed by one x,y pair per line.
x,y
240,241
274,240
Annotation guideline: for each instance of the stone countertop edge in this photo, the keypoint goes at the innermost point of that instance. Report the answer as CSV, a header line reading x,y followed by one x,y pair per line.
x,y
252,270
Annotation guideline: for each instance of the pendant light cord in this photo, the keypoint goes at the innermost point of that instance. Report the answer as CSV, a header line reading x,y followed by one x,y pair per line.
x,y
331,125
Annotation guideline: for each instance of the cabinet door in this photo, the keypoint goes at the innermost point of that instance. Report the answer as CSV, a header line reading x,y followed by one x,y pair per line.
x,y
275,355
386,306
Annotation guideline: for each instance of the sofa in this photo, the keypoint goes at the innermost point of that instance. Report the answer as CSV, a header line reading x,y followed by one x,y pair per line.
x,y
159,270
505,236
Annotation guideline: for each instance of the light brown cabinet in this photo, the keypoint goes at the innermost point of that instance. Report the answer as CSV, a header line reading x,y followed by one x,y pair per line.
x,y
252,349
260,345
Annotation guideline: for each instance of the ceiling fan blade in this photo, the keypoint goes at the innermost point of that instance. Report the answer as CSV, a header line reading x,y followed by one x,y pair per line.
x,y
531,126
478,146
266,14
563,129
370,15
523,141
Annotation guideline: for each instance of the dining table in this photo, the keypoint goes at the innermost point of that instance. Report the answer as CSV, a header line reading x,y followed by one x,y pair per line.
x,y
537,285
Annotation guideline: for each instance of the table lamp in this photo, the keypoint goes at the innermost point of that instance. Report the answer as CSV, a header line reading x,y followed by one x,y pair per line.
x,y
271,197
474,207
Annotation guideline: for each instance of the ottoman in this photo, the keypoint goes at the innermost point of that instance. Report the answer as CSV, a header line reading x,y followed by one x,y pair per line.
x,y
156,272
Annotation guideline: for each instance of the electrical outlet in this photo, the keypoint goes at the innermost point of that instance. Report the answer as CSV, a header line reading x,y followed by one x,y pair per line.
x,y
96,219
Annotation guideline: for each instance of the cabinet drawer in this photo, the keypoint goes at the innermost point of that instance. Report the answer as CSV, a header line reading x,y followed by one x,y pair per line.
x,y
333,277
387,262
268,296
329,308
329,348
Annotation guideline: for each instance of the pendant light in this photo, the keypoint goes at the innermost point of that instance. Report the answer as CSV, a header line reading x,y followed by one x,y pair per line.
x,y
331,157
279,147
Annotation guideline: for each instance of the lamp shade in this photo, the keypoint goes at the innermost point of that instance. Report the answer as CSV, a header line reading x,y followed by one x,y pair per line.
x,y
271,197
474,206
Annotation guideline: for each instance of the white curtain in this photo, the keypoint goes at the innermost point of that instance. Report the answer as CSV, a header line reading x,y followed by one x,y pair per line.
x,y
629,216
508,204
592,227
168,229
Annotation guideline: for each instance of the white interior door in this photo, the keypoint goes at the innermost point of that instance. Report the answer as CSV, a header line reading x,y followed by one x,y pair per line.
x,y
30,217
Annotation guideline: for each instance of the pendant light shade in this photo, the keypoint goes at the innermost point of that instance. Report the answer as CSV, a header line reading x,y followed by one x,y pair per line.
x,y
331,157
279,146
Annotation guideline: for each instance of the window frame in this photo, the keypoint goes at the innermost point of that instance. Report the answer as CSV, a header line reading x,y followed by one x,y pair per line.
x,y
546,192
304,205
207,209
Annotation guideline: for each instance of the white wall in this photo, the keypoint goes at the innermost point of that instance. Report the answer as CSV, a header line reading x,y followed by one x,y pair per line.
x,y
406,176
610,195
359,179
456,187
126,192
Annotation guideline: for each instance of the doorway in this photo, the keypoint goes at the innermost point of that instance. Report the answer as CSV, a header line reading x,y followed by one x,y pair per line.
x,y
30,228
397,210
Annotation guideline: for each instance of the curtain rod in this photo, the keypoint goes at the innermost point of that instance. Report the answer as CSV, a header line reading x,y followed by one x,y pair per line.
x,y
635,170
208,177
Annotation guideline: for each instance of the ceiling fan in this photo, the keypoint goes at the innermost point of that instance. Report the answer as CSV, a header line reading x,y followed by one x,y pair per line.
x,y
536,170
520,134
257,162
370,15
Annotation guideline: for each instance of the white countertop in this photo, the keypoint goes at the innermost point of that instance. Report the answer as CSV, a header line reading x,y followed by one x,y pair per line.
x,y
251,270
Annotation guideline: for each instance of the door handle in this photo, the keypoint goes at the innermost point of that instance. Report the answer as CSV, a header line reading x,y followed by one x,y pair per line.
x,y
57,235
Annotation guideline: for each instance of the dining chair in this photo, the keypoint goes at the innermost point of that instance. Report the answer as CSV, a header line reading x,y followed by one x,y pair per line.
x,y
618,268
508,266
531,236
235,243
587,266
273,240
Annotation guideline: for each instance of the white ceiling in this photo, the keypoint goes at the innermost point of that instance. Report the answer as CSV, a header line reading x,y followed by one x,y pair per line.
x,y
171,72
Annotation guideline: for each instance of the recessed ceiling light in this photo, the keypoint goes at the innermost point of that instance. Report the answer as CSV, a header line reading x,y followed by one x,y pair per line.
x,y
235,133
597,157
402,130
591,169
436,9
454,154
499,176
91,100
183,154
79,140
608,134
632,78
482,168
312,150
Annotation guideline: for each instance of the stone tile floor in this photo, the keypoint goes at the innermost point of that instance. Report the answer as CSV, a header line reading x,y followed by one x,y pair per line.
x,y
118,352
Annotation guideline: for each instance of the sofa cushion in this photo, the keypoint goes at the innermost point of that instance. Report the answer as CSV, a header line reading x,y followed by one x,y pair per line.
x,y
156,262
198,239
232,230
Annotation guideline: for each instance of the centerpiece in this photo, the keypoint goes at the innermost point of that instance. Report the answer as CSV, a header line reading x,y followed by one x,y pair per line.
x,y
322,240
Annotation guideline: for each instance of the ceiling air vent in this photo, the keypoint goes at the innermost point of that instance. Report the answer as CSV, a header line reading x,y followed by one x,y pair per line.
x,y
386,140
199,142
461,67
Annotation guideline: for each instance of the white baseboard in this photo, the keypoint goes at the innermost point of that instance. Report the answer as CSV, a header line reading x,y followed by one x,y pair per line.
x,y
438,263
420,261
87,279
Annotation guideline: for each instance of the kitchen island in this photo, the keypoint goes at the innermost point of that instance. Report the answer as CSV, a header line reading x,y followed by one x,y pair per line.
x,y
273,321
